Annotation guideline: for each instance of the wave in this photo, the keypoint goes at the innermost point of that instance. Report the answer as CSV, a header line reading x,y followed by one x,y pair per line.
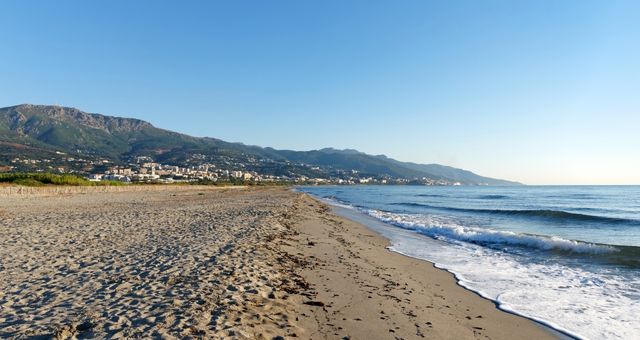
x,y
576,283
444,229
430,195
574,196
484,197
493,197
332,200
558,215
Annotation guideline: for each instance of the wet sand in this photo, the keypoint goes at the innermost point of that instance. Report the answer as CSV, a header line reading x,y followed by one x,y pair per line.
x,y
220,263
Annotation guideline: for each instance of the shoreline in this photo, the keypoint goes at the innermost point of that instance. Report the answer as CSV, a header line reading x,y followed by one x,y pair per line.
x,y
419,299
369,222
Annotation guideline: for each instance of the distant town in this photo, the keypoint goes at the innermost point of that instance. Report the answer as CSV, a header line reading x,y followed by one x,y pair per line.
x,y
144,169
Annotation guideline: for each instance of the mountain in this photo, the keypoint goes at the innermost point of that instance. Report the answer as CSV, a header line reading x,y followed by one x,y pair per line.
x,y
40,131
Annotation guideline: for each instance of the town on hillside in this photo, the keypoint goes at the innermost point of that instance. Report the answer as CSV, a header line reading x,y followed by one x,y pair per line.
x,y
143,169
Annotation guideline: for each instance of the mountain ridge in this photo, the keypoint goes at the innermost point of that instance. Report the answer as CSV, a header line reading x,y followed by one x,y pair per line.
x,y
120,139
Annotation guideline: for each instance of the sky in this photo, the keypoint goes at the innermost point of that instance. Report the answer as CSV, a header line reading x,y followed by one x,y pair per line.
x,y
542,92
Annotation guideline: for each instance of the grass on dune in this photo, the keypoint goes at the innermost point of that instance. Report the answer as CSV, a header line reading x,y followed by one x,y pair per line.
x,y
42,179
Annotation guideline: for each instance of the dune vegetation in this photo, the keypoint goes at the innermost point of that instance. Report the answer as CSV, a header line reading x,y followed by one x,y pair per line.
x,y
43,179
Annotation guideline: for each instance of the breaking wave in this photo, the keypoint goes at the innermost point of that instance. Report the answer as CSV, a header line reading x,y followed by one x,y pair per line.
x,y
558,215
439,228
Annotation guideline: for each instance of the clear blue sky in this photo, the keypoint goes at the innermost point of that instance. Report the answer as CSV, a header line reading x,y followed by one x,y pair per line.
x,y
544,92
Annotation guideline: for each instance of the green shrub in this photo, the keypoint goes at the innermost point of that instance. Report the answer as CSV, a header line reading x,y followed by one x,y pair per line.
x,y
108,183
40,179
29,182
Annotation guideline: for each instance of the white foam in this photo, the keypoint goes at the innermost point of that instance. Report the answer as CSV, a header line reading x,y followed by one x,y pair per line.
x,y
336,203
582,300
576,301
443,228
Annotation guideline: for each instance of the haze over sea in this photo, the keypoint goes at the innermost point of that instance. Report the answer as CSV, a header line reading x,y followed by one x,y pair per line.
x,y
567,256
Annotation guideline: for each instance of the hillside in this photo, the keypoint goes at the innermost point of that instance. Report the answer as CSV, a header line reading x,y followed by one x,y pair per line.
x,y
37,131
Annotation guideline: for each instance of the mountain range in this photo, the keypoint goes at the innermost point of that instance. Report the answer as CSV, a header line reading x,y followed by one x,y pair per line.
x,y
41,131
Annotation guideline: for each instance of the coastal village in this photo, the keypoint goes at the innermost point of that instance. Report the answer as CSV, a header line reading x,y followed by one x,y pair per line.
x,y
144,170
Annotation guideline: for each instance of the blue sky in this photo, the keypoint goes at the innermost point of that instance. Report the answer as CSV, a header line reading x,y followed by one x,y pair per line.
x,y
544,92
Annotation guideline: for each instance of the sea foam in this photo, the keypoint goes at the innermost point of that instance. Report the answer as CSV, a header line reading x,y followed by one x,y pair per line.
x,y
443,228
585,289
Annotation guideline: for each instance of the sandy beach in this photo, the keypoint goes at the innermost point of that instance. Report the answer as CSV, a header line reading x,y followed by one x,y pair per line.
x,y
206,262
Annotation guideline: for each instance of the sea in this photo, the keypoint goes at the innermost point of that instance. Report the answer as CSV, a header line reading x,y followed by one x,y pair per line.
x,y
565,256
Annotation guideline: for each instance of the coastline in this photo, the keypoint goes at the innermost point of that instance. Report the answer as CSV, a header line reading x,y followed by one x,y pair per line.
x,y
246,263
379,228
393,294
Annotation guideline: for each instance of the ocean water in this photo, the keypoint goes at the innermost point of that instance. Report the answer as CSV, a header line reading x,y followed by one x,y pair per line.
x,y
566,256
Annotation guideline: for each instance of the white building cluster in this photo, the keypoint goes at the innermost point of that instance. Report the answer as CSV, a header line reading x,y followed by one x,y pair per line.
x,y
163,173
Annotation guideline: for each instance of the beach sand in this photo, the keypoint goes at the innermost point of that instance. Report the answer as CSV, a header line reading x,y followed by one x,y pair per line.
x,y
208,262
